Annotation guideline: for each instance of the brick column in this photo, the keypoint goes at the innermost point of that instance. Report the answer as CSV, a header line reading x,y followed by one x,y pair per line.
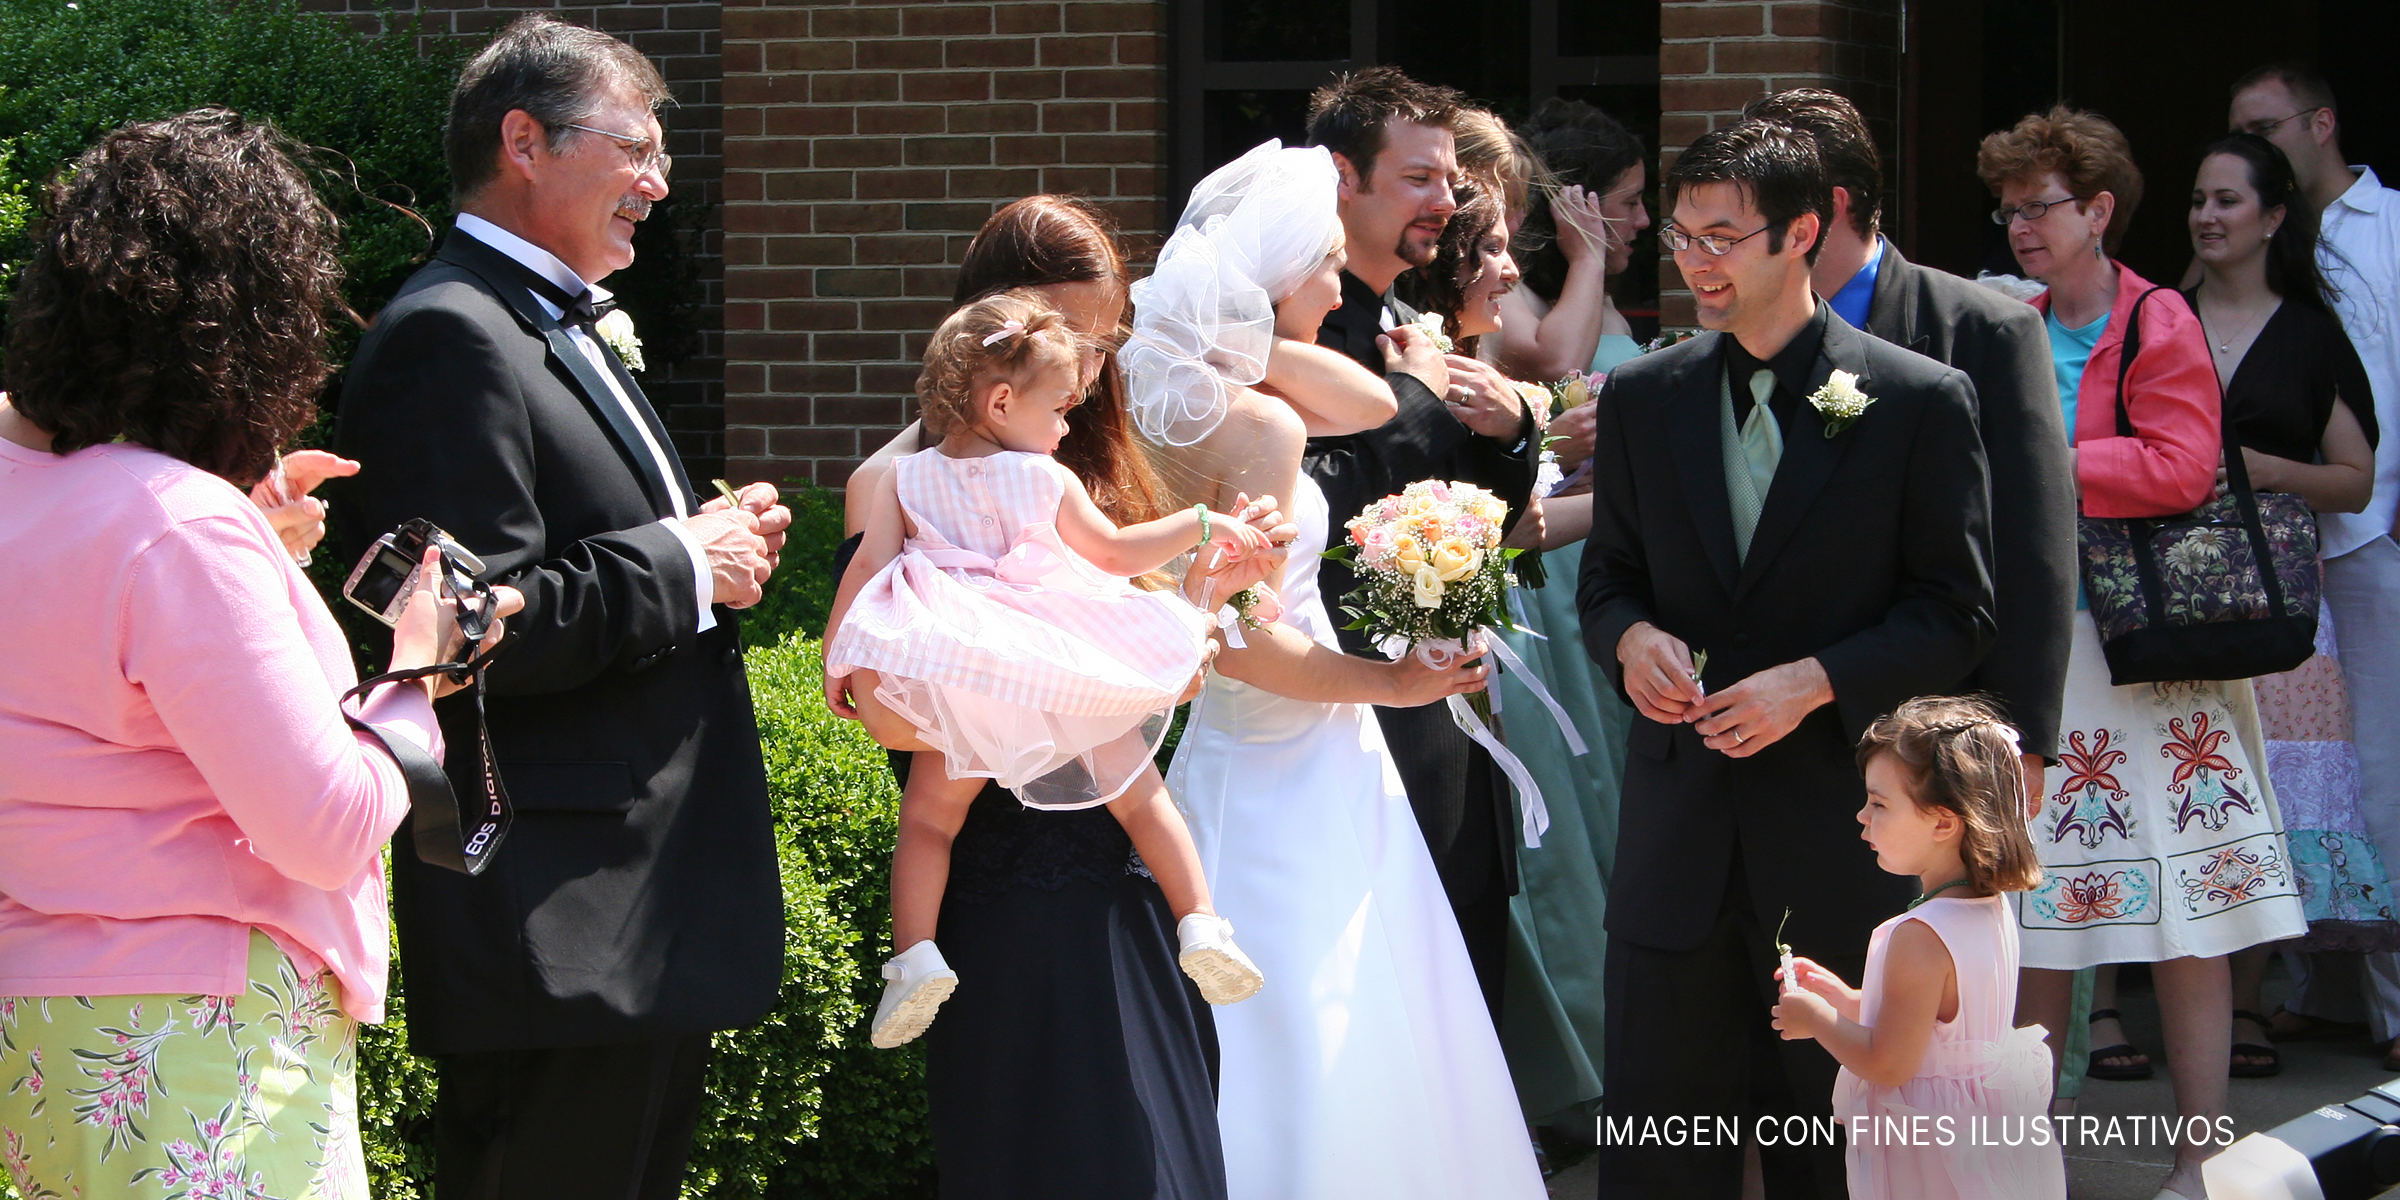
x,y
1715,55
864,145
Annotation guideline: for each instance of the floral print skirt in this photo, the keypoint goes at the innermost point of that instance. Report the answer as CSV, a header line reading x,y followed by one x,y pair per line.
x,y
245,1097
2158,839
2314,768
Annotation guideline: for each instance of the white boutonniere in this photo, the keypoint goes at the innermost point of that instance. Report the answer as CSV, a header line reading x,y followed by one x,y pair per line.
x,y
617,330
1431,323
1840,402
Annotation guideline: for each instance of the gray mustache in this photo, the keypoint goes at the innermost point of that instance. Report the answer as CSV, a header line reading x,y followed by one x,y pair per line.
x,y
634,208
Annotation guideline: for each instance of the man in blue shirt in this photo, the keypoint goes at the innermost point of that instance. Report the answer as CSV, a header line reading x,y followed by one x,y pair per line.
x,y
1999,343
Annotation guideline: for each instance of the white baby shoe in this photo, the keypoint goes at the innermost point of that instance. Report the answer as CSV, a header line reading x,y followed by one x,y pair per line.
x,y
916,983
1224,973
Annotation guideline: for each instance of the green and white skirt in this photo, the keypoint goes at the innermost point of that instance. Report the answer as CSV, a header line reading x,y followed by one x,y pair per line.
x,y
243,1097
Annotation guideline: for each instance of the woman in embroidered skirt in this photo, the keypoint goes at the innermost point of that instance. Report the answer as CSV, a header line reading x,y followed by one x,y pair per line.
x,y
2159,840
2299,404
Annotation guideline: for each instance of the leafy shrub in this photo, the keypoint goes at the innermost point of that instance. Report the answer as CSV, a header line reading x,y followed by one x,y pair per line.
x,y
801,1105
71,71
801,593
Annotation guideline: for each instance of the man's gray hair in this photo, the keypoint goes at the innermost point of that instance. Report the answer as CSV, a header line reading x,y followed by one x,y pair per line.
x,y
555,72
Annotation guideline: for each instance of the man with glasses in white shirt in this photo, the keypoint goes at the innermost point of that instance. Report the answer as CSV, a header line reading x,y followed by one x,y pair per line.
x,y
2358,248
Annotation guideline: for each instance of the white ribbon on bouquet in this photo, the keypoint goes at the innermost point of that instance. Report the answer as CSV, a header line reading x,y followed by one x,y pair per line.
x,y
1439,654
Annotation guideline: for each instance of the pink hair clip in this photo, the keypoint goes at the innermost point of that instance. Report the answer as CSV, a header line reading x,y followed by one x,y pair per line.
x,y
1008,329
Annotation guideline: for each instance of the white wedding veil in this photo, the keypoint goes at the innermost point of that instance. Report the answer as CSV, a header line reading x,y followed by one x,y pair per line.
x,y
1204,321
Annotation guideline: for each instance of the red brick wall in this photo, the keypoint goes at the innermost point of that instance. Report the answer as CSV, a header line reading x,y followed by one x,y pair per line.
x,y
1714,55
864,145
681,37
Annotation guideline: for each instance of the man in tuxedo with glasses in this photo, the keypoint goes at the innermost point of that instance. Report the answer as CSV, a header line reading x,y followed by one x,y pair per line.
x,y
568,992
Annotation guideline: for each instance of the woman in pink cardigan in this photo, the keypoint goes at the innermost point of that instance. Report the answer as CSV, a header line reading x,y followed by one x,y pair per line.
x,y
2158,842
192,915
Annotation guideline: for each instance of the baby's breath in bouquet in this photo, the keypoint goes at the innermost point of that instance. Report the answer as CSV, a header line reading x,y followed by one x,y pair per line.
x,y
1433,581
1431,571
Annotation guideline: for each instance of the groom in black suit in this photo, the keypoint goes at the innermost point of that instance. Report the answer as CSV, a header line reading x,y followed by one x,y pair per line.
x,y
1830,564
568,992
1391,142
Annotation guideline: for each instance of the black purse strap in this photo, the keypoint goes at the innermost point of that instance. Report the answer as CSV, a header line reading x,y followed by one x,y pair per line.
x,y
2237,484
435,822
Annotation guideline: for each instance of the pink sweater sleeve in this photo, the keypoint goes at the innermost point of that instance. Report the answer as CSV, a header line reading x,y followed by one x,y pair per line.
x,y
211,633
2170,463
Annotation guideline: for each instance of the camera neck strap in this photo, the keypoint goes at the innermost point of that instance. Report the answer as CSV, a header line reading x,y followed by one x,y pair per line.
x,y
444,836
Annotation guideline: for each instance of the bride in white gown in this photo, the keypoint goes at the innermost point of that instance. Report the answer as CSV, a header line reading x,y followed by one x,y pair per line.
x,y
1368,1066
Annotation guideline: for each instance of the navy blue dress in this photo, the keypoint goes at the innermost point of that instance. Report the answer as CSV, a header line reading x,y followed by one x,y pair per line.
x,y
1076,1061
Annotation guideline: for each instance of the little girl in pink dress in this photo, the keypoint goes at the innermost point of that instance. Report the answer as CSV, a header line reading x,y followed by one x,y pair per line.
x,y
988,624
1940,1094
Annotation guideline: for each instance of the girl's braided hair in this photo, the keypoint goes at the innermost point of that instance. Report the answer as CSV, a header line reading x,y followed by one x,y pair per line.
x,y
1960,756
1011,335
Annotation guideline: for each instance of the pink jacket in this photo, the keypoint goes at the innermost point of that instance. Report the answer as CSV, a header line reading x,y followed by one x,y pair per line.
x,y
2170,463
173,771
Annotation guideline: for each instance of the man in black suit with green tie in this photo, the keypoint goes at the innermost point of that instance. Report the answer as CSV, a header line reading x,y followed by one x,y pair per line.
x,y
1831,560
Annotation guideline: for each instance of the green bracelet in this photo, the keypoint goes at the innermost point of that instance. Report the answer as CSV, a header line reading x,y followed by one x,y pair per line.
x,y
1202,509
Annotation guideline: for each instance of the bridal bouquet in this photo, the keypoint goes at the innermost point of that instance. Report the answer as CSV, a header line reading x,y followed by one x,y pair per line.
x,y
1433,581
1430,567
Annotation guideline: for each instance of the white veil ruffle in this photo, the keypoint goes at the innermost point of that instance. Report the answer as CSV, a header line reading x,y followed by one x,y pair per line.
x,y
1204,321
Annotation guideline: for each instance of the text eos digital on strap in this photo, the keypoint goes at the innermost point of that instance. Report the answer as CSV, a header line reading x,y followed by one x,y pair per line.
x,y
381,584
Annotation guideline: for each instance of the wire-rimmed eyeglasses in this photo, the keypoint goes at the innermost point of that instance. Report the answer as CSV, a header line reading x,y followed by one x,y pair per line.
x,y
639,151
1715,244
2031,210
2267,128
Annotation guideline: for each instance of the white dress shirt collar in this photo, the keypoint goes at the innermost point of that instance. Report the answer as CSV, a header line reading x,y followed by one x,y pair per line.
x,y
541,262
2367,195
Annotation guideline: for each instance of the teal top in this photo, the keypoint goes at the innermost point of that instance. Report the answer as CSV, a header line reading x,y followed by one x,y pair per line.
x,y
1613,349
2070,349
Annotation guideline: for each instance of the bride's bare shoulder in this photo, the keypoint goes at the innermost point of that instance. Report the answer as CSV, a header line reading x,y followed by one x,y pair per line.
x,y
1259,414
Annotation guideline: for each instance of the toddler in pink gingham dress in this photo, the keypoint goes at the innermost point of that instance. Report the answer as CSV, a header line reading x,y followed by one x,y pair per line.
x,y
1940,1095
987,623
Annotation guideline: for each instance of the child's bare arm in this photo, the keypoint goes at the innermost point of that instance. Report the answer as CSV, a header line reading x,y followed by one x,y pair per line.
x,y
1817,979
886,532
1918,978
1136,549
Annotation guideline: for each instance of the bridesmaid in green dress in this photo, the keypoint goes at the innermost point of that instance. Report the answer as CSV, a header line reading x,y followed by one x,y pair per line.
x,y
1578,233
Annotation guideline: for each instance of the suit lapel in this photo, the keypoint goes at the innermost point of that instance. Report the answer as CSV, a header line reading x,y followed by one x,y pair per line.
x,y
505,276
650,418
1809,457
1892,313
1692,418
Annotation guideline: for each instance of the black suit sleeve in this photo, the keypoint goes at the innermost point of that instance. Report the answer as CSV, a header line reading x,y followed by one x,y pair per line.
x,y
1940,623
2034,568
440,426
1614,593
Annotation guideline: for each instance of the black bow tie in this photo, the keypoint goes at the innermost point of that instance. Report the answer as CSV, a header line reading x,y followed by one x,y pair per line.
x,y
574,310
586,311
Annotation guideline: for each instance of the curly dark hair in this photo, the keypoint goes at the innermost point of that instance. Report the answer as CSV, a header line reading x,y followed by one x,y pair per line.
x,y
178,296
1441,285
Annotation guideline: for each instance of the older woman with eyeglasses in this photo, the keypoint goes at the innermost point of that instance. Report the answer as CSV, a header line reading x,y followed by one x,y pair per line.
x,y
2155,781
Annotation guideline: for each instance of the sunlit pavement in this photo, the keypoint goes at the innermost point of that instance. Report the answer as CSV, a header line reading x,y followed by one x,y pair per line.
x,y
2315,1073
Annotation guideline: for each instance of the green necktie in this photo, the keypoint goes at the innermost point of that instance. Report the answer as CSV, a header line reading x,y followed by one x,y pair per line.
x,y
1750,458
